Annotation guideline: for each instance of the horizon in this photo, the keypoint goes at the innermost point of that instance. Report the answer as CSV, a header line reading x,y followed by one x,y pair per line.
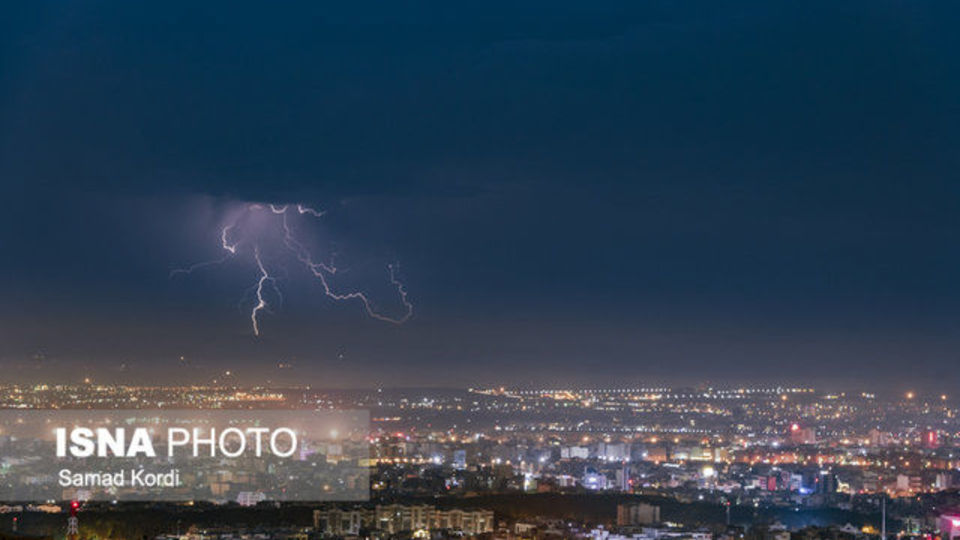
x,y
551,270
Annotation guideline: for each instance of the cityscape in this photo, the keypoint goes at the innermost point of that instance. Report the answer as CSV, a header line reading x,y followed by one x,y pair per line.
x,y
541,270
642,462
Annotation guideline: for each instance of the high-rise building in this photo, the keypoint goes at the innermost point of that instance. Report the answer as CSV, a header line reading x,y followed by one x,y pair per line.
x,y
949,525
395,518
338,522
826,482
460,459
637,514
593,479
931,439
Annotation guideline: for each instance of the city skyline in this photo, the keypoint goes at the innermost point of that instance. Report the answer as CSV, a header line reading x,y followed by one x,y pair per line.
x,y
550,270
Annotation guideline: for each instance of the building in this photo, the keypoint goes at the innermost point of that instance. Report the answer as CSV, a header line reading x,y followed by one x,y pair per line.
x,y
613,451
471,522
600,533
949,525
396,518
943,481
802,435
574,452
909,483
460,459
338,522
593,479
637,514
879,438
250,498
825,482
623,478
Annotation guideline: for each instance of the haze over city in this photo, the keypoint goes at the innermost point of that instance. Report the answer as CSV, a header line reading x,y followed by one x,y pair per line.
x,y
566,270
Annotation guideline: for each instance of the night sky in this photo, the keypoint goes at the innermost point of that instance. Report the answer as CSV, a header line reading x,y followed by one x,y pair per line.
x,y
642,191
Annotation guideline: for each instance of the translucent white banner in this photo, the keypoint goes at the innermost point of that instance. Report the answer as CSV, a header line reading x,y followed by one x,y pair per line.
x,y
181,455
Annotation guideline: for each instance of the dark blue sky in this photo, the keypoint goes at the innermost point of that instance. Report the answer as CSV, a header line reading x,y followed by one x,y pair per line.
x,y
671,191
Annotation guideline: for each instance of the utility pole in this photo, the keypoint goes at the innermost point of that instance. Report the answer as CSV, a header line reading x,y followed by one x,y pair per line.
x,y
883,517
73,530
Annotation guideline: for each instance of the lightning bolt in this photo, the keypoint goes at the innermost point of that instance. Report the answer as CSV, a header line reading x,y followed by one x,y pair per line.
x,y
231,250
225,242
261,303
196,266
322,270
298,249
307,210
232,238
